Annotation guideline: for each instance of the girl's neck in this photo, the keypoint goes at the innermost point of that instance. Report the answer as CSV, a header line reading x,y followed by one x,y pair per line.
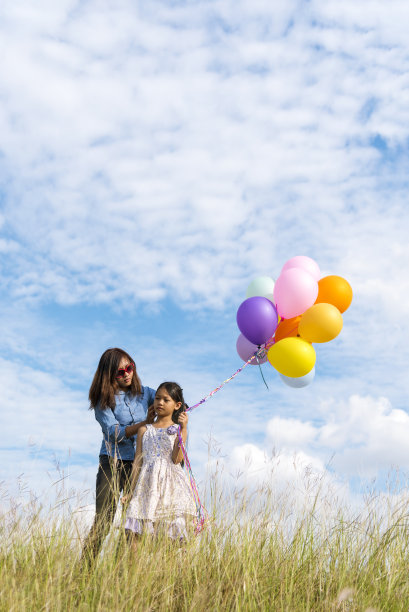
x,y
165,421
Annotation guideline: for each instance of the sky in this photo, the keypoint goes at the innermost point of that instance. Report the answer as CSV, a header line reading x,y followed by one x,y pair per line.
x,y
155,157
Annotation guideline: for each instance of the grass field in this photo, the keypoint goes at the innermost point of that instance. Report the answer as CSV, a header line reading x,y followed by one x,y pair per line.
x,y
259,552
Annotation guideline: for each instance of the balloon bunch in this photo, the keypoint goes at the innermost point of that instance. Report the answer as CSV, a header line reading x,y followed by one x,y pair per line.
x,y
280,321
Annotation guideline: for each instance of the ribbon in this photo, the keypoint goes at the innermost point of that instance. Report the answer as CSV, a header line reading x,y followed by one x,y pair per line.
x,y
200,509
202,401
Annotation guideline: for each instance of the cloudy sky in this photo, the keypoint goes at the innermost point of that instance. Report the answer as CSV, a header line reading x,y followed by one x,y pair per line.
x,y
157,156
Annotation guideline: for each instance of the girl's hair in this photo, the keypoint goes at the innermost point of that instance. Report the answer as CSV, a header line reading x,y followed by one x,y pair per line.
x,y
103,386
176,393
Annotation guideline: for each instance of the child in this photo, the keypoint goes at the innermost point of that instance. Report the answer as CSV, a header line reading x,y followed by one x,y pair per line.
x,y
162,498
121,406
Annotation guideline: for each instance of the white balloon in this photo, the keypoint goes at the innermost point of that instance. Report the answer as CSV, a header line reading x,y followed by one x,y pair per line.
x,y
262,286
301,381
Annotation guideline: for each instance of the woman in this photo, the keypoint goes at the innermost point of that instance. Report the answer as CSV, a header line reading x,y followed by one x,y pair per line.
x,y
121,406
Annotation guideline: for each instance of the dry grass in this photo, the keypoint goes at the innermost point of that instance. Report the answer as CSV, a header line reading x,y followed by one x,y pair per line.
x,y
261,552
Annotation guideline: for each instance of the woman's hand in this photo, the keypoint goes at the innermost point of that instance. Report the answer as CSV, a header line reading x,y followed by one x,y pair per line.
x,y
125,499
183,420
150,417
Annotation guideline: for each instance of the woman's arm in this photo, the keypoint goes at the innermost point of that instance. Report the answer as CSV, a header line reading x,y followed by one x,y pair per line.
x,y
177,455
113,431
131,430
136,466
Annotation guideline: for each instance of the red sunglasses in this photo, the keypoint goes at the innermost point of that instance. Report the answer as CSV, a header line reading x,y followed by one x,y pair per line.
x,y
127,370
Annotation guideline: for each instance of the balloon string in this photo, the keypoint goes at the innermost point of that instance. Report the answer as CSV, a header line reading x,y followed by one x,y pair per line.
x,y
201,511
261,371
202,401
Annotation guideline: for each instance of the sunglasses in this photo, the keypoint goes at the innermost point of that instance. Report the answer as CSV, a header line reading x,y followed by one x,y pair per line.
x,y
127,370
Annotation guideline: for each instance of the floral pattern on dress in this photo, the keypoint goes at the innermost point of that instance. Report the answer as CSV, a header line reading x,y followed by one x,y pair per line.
x,y
162,494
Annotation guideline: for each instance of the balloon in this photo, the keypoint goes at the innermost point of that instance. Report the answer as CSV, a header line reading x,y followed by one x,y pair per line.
x,y
261,286
335,290
246,349
294,292
300,381
292,357
286,328
304,263
320,323
257,319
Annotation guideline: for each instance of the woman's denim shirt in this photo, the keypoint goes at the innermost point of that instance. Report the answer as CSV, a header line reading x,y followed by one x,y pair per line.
x,y
128,411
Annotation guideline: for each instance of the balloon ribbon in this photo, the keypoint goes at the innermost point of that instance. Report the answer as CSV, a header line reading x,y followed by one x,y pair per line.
x,y
260,350
200,509
202,401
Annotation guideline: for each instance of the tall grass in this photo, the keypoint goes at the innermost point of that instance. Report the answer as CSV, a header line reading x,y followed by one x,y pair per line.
x,y
260,551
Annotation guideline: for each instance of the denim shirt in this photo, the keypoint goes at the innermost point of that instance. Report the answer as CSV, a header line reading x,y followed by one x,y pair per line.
x,y
128,411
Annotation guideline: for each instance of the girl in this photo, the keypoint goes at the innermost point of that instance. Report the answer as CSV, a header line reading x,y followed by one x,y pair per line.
x,y
121,407
162,499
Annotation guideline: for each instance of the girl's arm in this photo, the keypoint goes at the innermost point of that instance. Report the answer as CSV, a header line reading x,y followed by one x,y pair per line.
x,y
136,466
177,455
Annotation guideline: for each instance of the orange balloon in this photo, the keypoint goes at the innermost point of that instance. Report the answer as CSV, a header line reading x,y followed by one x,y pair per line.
x,y
320,323
334,290
287,328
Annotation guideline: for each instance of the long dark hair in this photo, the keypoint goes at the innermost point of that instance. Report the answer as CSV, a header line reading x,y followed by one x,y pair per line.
x,y
104,386
176,393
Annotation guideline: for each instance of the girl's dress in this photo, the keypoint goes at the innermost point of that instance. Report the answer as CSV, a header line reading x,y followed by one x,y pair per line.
x,y
162,499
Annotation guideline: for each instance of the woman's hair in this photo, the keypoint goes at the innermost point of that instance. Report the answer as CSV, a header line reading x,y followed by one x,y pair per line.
x,y
103,386
176,393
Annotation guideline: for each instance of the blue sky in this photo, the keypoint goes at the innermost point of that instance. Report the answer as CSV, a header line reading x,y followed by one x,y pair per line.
x,y
154,158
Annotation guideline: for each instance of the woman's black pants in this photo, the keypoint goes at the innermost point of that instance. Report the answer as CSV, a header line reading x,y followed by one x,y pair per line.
x,y
113,477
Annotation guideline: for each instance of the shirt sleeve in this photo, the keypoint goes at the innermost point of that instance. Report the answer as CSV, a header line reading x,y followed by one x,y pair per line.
x,y
150,394
112,430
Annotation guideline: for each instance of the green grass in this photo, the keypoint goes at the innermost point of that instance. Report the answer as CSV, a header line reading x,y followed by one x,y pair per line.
x,y
260,552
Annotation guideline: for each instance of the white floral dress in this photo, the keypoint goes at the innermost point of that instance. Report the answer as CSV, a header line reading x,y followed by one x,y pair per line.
x,y
162,498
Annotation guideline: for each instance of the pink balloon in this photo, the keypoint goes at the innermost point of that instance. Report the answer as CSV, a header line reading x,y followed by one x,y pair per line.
x,y
246,349
304,263
294,292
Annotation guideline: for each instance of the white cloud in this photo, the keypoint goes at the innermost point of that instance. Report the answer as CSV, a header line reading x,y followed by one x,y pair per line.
x,y
361,437
173,152
114,119
289,433
361,441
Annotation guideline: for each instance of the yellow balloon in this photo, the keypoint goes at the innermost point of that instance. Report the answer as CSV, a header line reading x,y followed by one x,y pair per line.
x,y
292,357
320,323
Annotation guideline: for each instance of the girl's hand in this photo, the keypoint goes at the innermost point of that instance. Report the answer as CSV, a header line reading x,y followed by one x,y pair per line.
x,y
125,499
183,420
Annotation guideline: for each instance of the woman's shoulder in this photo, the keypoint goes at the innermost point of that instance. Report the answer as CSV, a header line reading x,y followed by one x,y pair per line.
x,y
147,394
147,389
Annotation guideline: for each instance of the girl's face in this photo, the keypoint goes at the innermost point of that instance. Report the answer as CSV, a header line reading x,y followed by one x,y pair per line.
x,y
124,377
164,405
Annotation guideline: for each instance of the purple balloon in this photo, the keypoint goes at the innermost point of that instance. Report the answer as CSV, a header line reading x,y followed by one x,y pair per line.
x,y
257,319
246,349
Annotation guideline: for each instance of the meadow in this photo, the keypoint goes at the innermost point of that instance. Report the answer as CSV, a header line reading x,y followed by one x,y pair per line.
x,y
261,550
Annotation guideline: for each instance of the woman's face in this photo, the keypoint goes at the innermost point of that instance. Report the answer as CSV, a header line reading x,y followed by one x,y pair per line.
x,y
164,405
124,378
